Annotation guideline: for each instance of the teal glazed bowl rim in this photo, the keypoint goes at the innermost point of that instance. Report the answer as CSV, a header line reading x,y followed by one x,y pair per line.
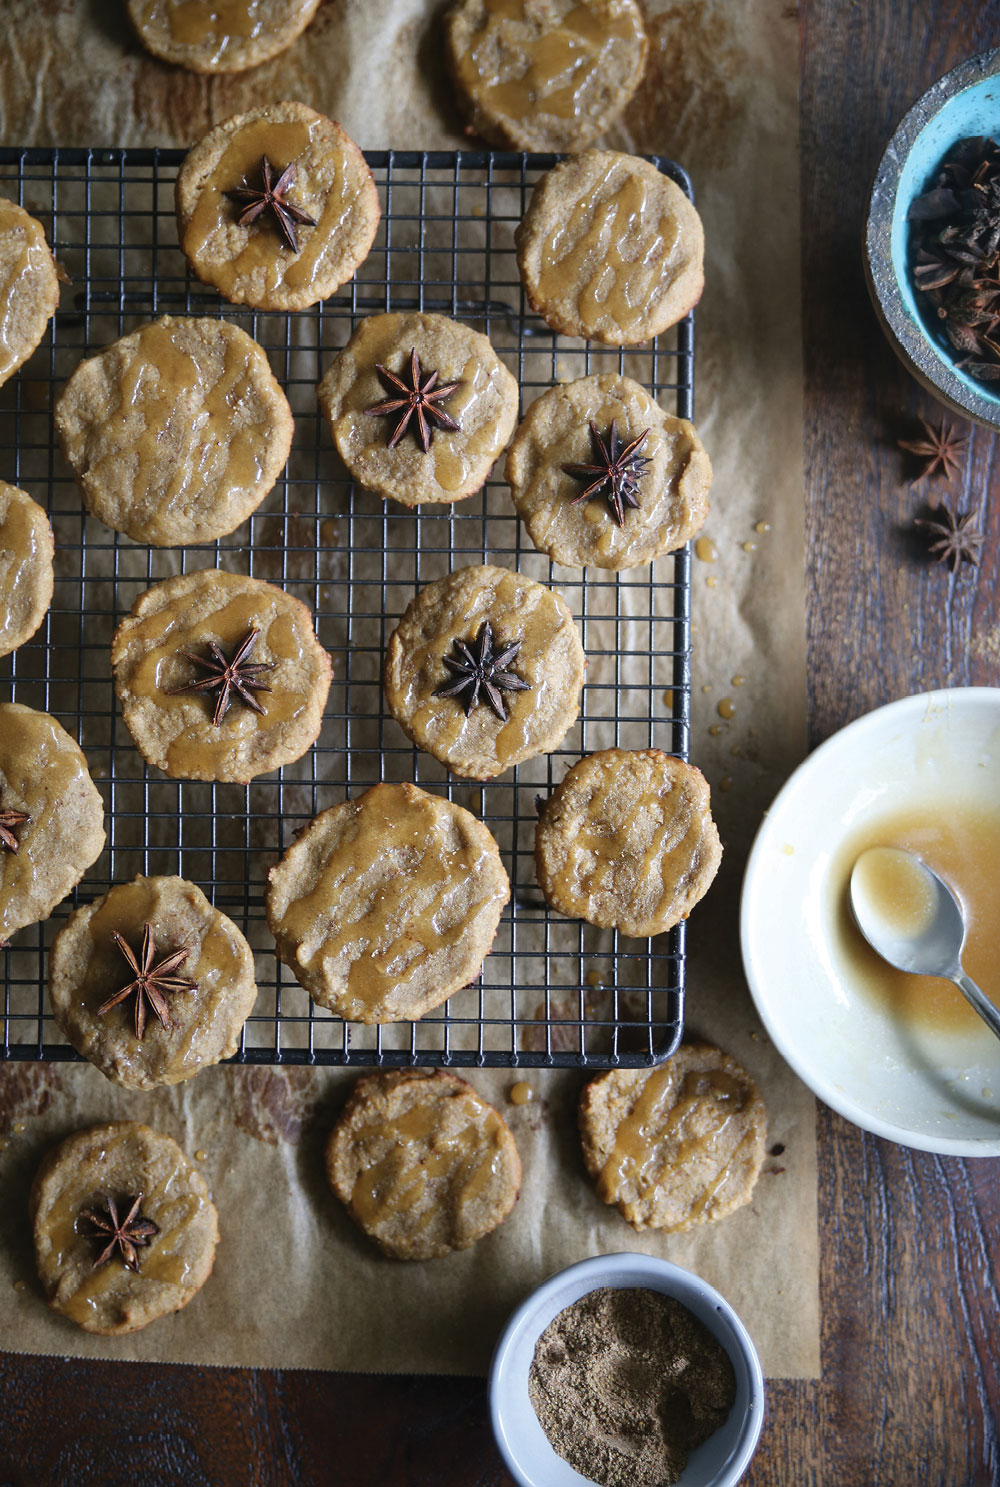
x,y
966,101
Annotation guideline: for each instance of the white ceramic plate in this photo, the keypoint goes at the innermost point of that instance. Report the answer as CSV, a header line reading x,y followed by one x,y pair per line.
x,y
936,1092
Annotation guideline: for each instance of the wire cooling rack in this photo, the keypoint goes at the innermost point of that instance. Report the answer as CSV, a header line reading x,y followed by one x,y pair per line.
x,y
552,992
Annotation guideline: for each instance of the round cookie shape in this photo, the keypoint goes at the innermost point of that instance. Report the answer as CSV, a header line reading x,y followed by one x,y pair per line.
x,y
252,263
175,433
45,782
121,1161
162,651
26,552
610,249
450,613
219,35
387,903
626,841
87,968
483,405
678,1145
544,74
672,475
422,1163
29,286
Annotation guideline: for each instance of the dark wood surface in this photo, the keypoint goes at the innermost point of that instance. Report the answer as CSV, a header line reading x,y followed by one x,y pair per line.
x,y
909,1242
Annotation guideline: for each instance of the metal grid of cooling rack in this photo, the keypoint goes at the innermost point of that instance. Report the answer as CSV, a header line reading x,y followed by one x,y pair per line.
x,y
552,992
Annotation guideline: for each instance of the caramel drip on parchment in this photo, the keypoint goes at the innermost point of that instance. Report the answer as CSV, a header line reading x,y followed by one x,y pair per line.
x,y
197,750
394,895
619,252
168,1203
561,66
31,258
20,554
215,218
420,1155
653,1138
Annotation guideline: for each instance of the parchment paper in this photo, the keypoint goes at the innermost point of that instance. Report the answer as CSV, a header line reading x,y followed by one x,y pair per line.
x,y
295,1285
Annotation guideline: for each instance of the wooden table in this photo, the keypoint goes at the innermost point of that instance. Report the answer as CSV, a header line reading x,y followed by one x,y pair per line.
x,y
910,1243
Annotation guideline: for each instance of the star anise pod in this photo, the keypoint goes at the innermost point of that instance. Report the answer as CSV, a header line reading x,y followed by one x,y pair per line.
x,y
8,820
616,473
482,669
151,982
956,540
238,675
939,449
271,197
127,1237
418,401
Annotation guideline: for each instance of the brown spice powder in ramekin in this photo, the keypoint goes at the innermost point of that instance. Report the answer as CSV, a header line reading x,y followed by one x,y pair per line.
x,y
625,1383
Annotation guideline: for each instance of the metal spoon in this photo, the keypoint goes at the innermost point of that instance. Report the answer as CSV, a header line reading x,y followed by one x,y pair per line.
x,y
913,920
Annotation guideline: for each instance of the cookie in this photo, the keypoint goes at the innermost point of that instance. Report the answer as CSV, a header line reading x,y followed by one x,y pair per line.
x,y
29,286
423,1165
485,670
601,476
627,841
610,249
678,1145
544,74
51,816
175,433
170,658
310,235
387,903
26,552
209,36
398,430
86,1188
205,997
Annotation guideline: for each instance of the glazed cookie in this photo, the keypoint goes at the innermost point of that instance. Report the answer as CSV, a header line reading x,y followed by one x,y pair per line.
x,y
627,841
188,971
610,249
675,1146
601,475
125,1229
484,670
29,286
276,208
544,74
219,676
175,433
420,407
423,1165
26,551
387,903
219,35
51,816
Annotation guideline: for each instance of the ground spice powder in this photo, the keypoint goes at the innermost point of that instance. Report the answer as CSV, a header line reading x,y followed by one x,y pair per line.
x,y
625,1383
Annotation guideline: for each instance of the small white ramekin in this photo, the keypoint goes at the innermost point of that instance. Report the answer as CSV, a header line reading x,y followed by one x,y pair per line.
x,y
527,1453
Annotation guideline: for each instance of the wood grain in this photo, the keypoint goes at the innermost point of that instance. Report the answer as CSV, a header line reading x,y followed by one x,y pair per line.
x,y
910,1242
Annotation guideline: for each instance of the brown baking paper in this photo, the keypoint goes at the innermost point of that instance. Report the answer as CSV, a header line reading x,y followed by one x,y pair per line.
x,y
295,1285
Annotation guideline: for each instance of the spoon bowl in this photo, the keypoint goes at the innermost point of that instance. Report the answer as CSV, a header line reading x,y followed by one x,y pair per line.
x,y
914,921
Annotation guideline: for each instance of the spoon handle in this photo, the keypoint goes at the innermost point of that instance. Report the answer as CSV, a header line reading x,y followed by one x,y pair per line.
x,y
987,1011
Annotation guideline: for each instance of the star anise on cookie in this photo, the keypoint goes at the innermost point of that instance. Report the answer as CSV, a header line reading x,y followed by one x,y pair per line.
x,y
481,668
128,1236
238,675
151,983
939,450
955,537
8,820
616,471
418,402
271,197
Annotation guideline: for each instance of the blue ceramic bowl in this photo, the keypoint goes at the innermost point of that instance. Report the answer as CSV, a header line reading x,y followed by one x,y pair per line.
x,y
966,101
